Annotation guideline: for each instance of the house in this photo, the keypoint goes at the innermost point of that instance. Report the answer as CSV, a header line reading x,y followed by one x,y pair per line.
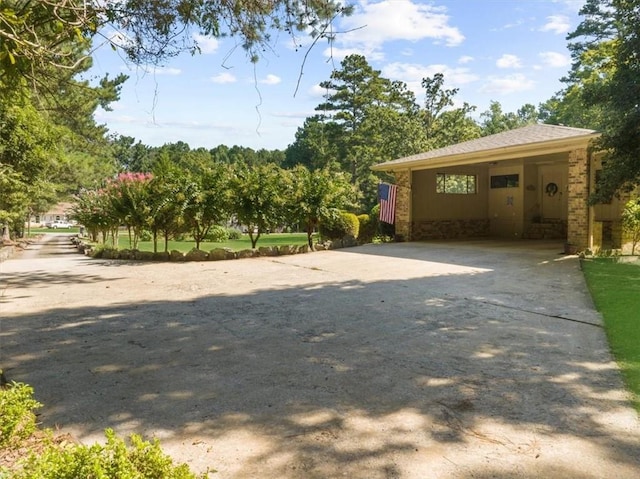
x,y
60,211
530,182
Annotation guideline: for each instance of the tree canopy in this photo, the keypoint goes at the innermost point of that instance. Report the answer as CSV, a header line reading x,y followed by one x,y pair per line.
x,y
606,53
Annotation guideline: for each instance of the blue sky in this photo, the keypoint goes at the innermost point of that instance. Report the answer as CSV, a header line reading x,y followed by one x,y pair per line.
x,y
511,51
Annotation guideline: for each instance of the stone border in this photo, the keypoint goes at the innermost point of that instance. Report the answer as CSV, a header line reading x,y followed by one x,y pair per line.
x,y
216,254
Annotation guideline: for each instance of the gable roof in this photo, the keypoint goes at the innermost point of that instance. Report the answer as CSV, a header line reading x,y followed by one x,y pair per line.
x,y
529,140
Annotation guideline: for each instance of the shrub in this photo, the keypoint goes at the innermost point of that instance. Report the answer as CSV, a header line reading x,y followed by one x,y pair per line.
x,y
141,460
16,410
146,235
341,226
217,234
43,457
383,230
368,227
234,234
103,251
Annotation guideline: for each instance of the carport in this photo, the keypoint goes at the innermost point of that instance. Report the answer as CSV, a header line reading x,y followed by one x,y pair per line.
x,y
527,183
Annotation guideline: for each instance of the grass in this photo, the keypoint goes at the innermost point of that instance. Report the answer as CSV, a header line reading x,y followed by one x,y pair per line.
x,y
272,239
615,288
35,231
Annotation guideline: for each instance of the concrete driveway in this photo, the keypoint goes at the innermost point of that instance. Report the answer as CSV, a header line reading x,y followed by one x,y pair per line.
x,y
415,360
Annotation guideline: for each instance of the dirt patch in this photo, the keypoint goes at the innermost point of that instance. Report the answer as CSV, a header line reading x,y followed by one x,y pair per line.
x,y
437,360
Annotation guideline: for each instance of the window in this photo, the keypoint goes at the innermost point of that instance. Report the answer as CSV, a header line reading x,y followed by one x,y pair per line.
x,y
505,181
455,184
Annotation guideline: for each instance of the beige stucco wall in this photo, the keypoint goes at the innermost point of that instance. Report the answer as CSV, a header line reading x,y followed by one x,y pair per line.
x,y
429,205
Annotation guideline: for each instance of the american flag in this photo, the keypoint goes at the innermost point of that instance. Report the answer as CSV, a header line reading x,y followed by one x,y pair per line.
x,y
387,199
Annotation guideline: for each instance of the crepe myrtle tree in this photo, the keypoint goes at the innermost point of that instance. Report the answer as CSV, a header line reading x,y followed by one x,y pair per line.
x,y
129,199
210,203
260,197
319,195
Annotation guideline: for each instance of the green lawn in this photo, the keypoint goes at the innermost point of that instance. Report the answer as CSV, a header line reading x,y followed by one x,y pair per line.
x,y
615,288
272,239
35,231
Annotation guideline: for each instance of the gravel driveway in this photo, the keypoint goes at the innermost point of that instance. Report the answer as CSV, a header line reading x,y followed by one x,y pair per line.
x,y
414,360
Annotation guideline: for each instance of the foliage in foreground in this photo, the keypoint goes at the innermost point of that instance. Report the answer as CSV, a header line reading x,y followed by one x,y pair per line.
x,y
16,410
614,287
115,459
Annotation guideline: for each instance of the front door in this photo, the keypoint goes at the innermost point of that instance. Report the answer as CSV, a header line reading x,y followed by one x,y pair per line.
x,y
553,189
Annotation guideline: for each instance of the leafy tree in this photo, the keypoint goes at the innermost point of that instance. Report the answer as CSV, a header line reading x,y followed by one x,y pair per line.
x,y
260,197
496,121
36,34
129,155
129,200
28,156
352,91
319,195
437,100
170,192
314,146
606,53
455,126
210,204
92,208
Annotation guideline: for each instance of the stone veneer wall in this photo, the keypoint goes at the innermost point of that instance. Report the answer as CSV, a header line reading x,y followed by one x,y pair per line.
x,y
403,205
448,229
578,220
547,229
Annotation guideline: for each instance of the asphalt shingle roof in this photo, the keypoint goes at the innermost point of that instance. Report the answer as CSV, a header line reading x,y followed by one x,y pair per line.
x,y
527,135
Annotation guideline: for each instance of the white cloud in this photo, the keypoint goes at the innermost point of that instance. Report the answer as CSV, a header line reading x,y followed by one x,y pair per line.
x,y
373,24
271,80
508,84
555,59
412,74
206,44
224,77
463,60
371,52
508,61
557,24
316,91
155,70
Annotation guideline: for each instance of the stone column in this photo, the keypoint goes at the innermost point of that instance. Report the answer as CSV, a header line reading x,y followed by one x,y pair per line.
x,y
578,200
403,205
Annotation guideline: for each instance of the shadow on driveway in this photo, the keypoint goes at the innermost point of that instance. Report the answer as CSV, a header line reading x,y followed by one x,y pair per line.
x,y
365,363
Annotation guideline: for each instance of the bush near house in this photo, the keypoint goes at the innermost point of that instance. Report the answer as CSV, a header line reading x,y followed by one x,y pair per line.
x,y
343,225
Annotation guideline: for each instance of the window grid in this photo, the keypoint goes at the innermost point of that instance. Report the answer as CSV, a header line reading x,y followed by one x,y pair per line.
x,y
455,184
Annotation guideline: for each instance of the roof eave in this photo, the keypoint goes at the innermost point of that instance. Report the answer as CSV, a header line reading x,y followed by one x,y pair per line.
x,y
546,147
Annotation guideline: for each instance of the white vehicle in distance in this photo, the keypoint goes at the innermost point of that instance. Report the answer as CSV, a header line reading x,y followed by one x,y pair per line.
x,y
58,224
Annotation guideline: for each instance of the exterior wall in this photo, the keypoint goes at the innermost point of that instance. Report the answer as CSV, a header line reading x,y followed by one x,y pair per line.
x,y
531,195
403,205
444,229
578,232
440,215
